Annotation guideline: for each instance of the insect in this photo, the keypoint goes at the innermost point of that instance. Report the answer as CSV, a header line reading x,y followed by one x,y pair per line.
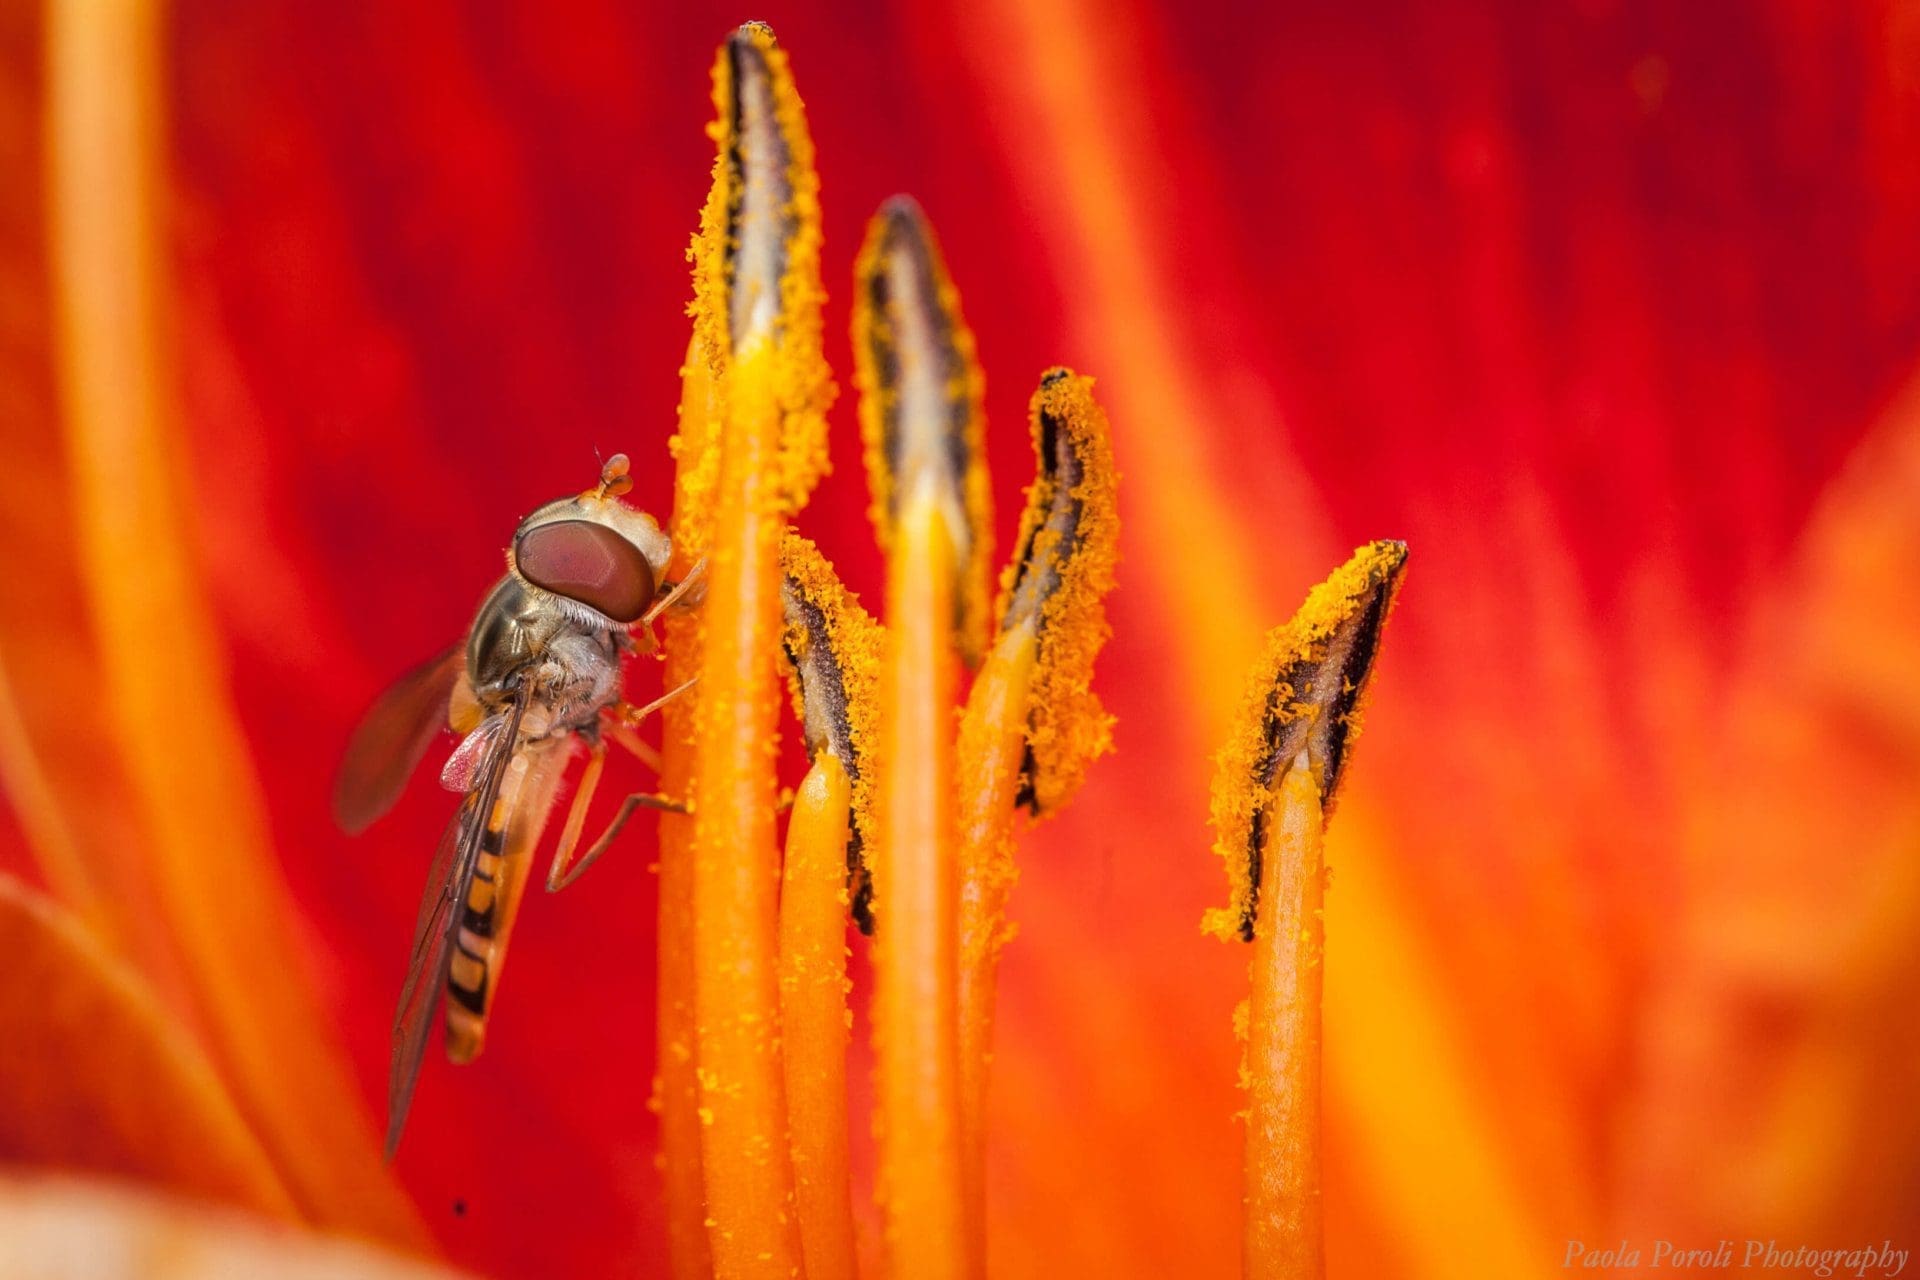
x,y
537,678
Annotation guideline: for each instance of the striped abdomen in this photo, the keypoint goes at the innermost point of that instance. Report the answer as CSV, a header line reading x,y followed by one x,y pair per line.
x,y
493,898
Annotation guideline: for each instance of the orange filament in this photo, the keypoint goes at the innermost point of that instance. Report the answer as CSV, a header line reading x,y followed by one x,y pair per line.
x,y
915,1020
1284,1239
814,1017
993,738
88,1026
749,1180
676,1088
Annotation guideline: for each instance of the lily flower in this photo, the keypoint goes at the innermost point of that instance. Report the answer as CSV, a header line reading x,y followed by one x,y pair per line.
x,y
1609,314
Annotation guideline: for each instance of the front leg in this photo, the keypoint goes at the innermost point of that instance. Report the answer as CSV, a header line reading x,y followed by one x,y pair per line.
x,y
685,594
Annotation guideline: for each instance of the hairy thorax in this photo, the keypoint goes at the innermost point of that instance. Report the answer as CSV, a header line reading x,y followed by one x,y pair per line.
x,y
567,656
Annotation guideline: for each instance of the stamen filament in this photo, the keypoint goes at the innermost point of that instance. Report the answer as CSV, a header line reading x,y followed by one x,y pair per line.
x,y
916,953
814,1018
749,1179
1283,1238
993,743
676,1085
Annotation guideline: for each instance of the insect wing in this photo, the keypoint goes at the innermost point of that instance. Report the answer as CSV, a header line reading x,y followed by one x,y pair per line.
x,y
447,885
464,764
389,742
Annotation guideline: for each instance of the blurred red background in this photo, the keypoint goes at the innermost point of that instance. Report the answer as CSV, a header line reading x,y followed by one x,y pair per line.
x,y
1608,309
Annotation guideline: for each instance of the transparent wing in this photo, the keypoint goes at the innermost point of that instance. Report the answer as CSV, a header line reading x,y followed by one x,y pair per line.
x,y
389,742
447,885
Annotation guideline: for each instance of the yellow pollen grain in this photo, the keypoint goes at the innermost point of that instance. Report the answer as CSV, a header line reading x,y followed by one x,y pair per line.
x,y
695,446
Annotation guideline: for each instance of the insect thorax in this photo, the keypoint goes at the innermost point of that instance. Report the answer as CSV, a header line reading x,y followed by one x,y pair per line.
x,y
523,635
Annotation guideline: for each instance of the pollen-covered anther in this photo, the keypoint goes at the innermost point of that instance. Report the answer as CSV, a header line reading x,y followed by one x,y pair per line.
x,y
920,412
835,648
1061,571
1304,701
756,258
761,225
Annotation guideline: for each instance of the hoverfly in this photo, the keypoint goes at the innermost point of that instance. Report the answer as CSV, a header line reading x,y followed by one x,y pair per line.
x,y
538,675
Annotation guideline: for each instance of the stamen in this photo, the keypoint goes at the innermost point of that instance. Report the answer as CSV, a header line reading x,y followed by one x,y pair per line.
x,y
836,649
1274,787
920,392
761,216
1059,576
1305,696
756,264
750,446
1031,703
923,511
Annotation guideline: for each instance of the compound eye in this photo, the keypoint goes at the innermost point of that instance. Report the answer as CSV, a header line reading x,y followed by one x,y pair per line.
x,y
588,562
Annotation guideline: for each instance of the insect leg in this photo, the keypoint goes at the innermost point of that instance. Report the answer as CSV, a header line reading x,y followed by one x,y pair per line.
x,y
638,800
618,721
577,816
695,577
619,728
626,739
631,715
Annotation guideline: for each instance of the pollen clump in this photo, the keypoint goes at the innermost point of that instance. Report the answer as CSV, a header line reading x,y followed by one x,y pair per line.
x,y
835,649
695,446
1061,571
1242,1031
1306,692
756,264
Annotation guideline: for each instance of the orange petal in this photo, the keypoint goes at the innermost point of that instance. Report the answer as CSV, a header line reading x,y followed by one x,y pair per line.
x,y
72,799
170,716
101,1077
1783,1045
